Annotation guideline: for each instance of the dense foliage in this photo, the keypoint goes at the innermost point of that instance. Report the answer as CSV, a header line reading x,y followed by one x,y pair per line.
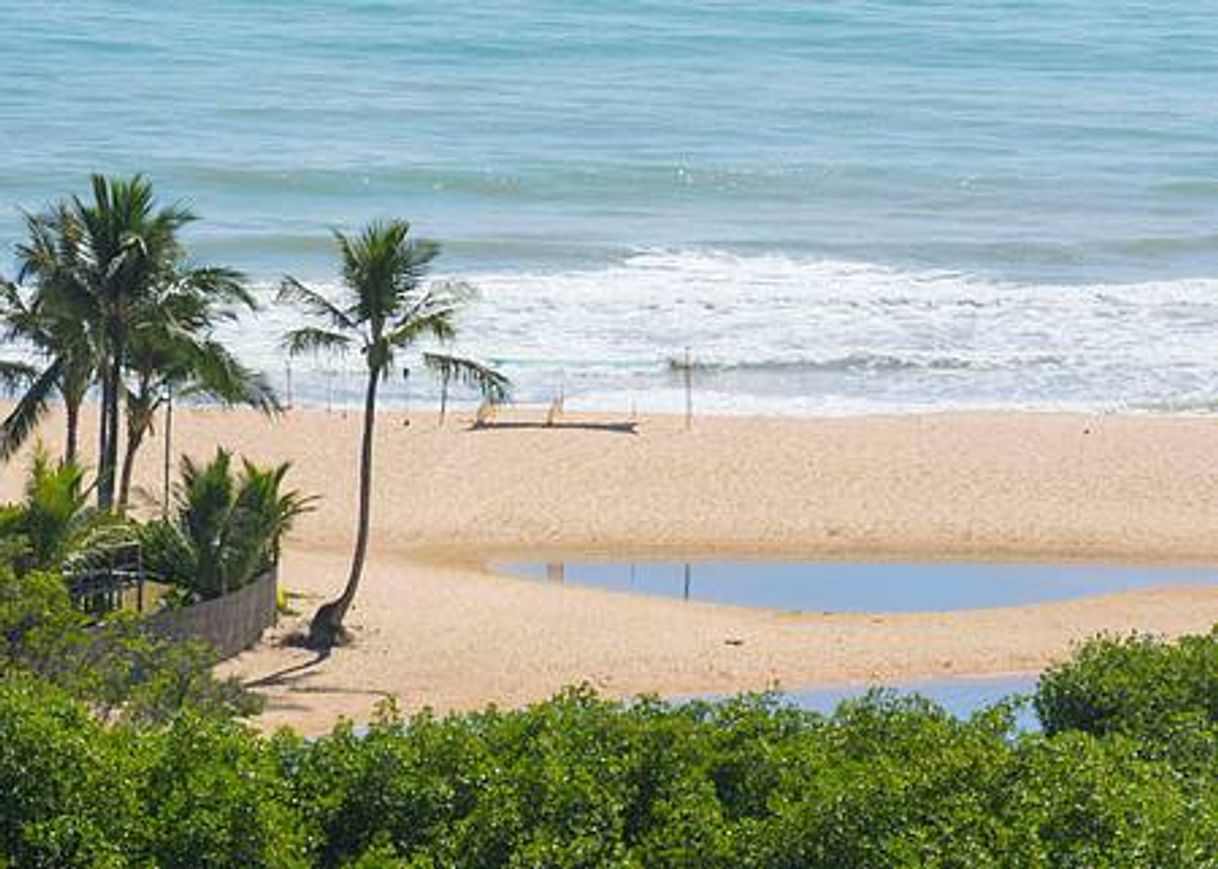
x,y
51,521
120,670
1136,685
226,526
107,295
577,781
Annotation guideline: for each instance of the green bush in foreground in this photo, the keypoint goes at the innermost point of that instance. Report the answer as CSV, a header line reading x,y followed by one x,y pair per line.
x,y
121,671
1136,685
577,781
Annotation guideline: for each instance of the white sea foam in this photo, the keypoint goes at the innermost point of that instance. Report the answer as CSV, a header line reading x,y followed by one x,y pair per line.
x,y
774,333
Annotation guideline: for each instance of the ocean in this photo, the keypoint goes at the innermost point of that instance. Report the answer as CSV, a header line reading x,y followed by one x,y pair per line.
x,y
835,208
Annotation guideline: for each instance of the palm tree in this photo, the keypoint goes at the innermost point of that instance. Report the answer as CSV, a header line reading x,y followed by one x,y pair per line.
x,y
227,526
53,519
110,263
386,308
47,324
172,353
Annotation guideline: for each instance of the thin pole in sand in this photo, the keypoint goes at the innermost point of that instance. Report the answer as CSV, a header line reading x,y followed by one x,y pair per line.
x,y
405,396
443,396
287,376
687,370
139,578
168,448
342,385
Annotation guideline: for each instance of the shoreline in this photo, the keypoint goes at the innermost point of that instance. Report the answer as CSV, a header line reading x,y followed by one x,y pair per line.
x,y
436,628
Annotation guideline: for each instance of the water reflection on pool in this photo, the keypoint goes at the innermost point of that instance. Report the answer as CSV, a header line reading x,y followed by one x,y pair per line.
x,y
862,587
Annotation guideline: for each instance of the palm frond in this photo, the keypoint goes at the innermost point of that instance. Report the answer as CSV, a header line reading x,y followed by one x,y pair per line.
x,y
204,500
453,293
220,286
269,510
25,416
214,371
442,297
311,339
437,324
292,291
491,385
15,311
227,525
384,267
14,374
54,515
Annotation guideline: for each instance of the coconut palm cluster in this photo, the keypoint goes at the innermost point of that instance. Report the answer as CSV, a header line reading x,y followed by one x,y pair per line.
x,y
107,302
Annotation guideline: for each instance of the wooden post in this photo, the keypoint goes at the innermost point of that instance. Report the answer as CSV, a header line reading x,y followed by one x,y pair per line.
x,y
405,396
168,450
139,579
687,578
443,396
686,367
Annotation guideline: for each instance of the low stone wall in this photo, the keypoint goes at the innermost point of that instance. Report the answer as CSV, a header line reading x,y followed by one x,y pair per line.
x,y
230,624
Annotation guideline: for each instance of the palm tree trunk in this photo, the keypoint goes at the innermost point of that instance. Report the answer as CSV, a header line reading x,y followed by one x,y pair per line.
x,y
74,387
72,412
168,452
104,491
134,439
327,625
108,465
443,396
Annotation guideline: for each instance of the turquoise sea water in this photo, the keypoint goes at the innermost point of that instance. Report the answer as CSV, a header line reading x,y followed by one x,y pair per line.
x,y
839,207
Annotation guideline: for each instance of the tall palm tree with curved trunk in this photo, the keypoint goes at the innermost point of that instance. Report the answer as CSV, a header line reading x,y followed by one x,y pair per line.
x,y
387,308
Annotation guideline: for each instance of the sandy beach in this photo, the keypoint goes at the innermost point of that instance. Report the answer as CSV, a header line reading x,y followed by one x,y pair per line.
x,y
435,627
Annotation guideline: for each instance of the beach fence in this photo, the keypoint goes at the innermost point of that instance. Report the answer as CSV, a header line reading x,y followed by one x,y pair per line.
x,y
230,624
338,386
113,578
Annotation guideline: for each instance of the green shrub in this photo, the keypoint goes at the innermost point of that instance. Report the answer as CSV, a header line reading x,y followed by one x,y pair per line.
x,y
577,781
226,529
1134,685
40,531
69,798
213,796
1087,801
123,671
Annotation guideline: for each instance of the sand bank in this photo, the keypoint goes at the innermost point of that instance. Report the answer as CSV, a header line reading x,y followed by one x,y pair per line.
x,y
435,628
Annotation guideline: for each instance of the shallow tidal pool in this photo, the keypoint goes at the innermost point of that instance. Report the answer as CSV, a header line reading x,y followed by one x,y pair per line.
x,y
861,587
